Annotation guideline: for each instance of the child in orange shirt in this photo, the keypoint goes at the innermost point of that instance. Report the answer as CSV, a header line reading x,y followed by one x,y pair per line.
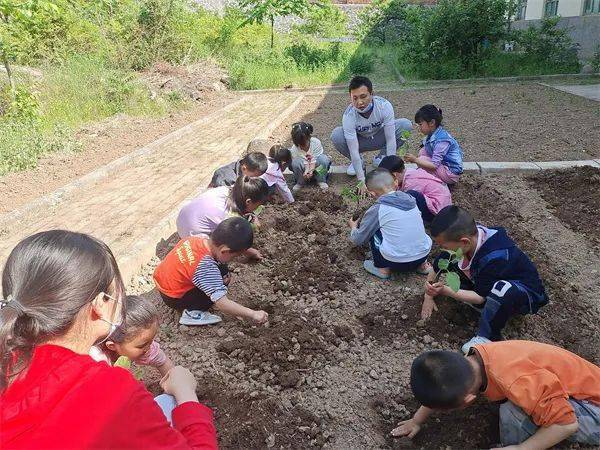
x,y
551,394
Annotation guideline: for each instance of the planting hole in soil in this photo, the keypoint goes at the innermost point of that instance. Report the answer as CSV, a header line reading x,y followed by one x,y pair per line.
x,y
331,369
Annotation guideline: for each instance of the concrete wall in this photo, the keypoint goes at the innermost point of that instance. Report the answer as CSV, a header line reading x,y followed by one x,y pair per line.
x,y
566,8
584,30
351,10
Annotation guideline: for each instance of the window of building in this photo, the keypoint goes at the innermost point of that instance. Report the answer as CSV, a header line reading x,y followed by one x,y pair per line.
x,y
551,8
591,7
521,9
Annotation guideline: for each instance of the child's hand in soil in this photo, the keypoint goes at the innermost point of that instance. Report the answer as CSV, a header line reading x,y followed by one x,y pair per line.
x,y
428,307
362,190
352,223
408,428
181,384
252,253
227,279
410,158
260,316
435,289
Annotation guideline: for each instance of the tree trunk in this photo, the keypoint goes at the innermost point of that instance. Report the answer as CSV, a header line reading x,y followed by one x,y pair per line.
x,y
272,30
11,81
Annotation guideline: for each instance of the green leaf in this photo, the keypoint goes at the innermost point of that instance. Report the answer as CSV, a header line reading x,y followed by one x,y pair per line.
x,y
453,281
124,362
259,210
443,264
321,170
458,254
405,134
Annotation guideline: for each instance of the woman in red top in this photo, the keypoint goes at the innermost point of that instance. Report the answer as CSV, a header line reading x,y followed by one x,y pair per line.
x,y
63,294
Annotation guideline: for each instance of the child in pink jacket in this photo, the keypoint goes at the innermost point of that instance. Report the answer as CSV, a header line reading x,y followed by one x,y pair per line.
x,y
431,193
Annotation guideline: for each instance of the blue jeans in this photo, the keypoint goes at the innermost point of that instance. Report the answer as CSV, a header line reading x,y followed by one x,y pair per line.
x,y
380,262
167,404
427,215
365,144
297,167
516,426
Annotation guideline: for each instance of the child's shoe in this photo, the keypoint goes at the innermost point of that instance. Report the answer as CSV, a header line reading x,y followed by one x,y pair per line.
x,y
377,160
198,318
324,186
296,187
369,266
476,340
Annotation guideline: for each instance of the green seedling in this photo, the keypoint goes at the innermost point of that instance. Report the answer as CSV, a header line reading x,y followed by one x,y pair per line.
x,y
258,210
352,195
452,278
321,170
404,147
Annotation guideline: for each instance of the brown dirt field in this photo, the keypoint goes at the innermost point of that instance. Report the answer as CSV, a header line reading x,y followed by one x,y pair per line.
x,y
331,369
102,142
516,122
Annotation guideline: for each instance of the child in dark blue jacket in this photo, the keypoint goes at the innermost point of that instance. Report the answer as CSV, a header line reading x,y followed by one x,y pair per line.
x,y
497,278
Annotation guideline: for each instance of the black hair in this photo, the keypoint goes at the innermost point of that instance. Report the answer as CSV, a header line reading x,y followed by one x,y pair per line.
x,y
301,133
49,278
441,379
454,222
393,163
428,113
235,232
280,155
255,161
245,188
140,314
359,81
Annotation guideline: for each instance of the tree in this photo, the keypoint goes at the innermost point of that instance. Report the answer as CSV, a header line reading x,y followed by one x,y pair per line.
x,y
24,11
260,10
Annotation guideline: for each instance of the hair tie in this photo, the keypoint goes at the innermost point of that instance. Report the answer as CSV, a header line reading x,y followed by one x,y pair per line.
x,y
11,302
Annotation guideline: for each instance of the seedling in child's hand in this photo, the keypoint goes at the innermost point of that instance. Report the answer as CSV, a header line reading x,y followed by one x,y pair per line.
x,y
452,278
321,170
404,147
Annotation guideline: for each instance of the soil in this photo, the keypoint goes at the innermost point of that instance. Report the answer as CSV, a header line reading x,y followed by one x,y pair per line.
x,y
331,369
102,143
516,122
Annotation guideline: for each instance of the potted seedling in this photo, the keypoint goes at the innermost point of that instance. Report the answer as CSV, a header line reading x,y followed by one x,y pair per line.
x,y
452,278
404,147
352,195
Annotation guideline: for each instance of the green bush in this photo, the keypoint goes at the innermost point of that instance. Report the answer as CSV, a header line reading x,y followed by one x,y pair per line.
x,y
325,19
312,57
361,62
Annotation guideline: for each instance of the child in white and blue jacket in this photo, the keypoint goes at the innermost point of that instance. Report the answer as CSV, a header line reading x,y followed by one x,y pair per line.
x,y
394,228
440,154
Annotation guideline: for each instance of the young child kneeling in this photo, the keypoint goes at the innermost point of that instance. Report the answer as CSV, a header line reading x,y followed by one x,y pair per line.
x,y
193,279
550,394
394,228
254,164
134,339
309,159
431,193
497,278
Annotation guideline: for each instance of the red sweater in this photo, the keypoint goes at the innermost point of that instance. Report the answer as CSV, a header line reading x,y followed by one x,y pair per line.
x,y
69,401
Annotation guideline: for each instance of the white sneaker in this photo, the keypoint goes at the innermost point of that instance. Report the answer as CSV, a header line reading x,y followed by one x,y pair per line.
x,y
476,340
324,186
198,318
296,187
350,170
377,160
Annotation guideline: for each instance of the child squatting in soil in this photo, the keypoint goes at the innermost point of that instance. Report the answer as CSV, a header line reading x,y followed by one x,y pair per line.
x,y
497,278
309,159
549,393
134,339
440,154
202,215
279,159
394,229
431,193
254,164
193,277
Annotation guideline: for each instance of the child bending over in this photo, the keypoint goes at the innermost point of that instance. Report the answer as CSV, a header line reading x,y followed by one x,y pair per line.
x,y
193,277
394,228
309,159
549,394
497,278
440,153
254,164
280,158
135,338
431,193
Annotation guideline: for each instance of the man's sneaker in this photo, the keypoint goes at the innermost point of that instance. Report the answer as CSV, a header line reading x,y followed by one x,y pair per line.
x,y
350,170
324,186
476,340
198,318
377,160
297,187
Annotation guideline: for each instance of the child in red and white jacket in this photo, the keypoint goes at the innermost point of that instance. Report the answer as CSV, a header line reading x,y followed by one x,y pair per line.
x,y
280,158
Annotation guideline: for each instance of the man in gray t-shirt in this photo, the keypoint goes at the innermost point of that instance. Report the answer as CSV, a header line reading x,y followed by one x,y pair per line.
x,y
368,124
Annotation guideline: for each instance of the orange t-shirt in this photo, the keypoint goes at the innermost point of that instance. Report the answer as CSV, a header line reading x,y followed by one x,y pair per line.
x,y
539,378
174,275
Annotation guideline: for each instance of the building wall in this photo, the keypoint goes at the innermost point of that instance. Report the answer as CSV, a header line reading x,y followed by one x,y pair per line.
x,y
535,9
566,8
